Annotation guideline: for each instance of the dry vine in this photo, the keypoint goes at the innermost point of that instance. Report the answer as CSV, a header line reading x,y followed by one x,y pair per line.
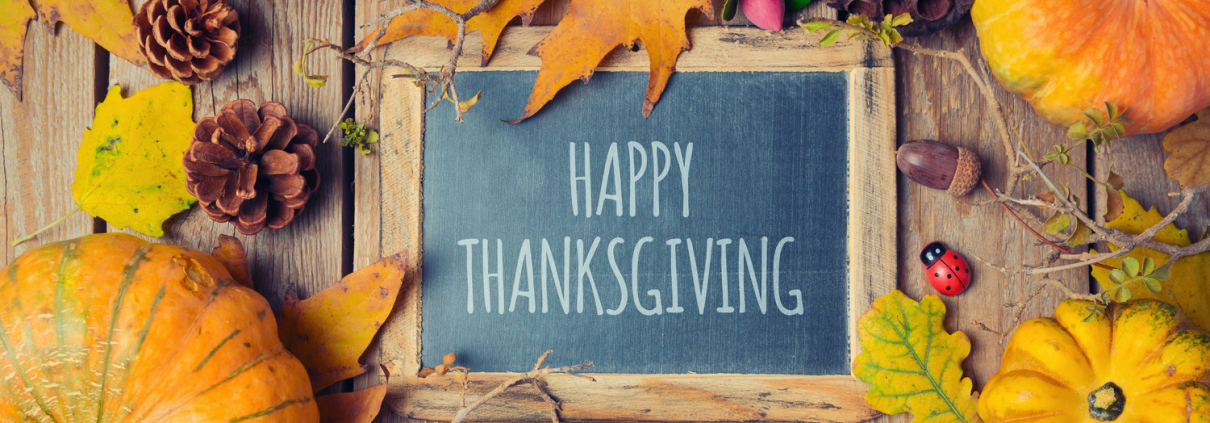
x,y
440,83
1022,166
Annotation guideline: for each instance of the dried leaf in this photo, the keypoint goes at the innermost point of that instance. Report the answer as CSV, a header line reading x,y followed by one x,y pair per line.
x,y
1057,222
592,29
329,331
1186,286
1189,144
1079,235
300,69
230,252
911,363
14,21
108,22
431,23
128,168
352,407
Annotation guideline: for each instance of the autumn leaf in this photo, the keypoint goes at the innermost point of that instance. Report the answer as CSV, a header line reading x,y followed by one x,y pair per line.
x,y
592,29
490,24
107,22
911,363
128,168
14,21
230,252
329,331
1186,287
352,407
1189,162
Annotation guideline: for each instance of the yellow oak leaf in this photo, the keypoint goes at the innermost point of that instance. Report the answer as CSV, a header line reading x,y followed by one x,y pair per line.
x,y
1189,144
490,23
1187,286
911,363
593,28
329,331
352,407
14,21
128,168
107,22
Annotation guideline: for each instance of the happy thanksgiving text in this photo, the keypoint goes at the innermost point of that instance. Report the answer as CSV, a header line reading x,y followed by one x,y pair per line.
x,y
485,265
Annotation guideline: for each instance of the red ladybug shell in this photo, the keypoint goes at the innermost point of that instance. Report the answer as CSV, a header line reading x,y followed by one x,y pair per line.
x,y
946,270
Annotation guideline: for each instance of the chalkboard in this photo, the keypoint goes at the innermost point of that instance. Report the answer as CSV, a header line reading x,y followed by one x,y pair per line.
x,y
749,210
789,140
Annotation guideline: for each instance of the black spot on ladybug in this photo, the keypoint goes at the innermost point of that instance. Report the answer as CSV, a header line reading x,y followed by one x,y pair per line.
x,y
947,288
955,256
956,268
937,274
967,270
949,276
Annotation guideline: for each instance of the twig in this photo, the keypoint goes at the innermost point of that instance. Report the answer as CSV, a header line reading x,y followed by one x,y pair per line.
x,y
532,375
1030,228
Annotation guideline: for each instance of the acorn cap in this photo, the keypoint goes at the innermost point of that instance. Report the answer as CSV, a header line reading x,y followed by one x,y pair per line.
x,y
966,175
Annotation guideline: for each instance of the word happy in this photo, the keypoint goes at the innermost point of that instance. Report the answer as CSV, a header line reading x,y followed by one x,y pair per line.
x,y
697,276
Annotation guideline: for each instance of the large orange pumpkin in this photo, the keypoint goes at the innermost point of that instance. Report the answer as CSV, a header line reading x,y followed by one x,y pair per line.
x,y
1151,57
111,328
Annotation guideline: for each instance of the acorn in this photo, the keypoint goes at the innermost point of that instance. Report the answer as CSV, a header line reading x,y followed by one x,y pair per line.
x,y
939,166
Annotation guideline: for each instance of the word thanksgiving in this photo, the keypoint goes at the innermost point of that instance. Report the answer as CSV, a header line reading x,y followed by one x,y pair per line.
x,y
544,268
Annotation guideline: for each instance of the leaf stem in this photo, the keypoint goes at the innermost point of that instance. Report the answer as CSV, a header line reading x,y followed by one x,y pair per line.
x,y
45,228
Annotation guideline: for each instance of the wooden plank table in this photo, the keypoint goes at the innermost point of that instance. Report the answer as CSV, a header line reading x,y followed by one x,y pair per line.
x,y
348,223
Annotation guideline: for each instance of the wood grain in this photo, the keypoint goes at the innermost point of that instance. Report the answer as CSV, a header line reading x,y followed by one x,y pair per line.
x,y
1140,161
40,136
665,398
306,253
937,100
872,232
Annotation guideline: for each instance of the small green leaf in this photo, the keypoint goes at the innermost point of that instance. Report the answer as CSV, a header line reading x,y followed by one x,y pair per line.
x,y
1077,131
1095,115
810,26
1117,276
728,12
830,38
886,39
1051,156
1056,223
1064,159
1152,285
1162,273
1079,235
1124,120
1124,295
1095,137
1121,129
300,68
902,20
1131,266
1148,266
1112,108
894,34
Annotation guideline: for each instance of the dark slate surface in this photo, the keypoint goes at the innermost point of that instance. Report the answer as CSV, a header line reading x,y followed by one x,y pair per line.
x,y
768,160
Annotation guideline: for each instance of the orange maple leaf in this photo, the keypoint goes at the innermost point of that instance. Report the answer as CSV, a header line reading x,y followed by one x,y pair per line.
x,y
432,23
329,331
593,28
352,407
14,21
108,22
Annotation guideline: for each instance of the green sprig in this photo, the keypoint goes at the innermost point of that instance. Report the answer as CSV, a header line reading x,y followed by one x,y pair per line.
x,y
358,135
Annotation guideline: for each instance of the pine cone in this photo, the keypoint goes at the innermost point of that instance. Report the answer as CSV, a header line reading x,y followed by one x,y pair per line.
x,y
254,168
928,16
187,40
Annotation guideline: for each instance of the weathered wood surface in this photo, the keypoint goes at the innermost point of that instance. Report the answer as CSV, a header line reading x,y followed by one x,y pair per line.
x,y
307,253
65,74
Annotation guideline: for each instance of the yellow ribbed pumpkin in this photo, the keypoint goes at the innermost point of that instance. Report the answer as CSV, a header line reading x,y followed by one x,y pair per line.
x,y
1151,57
1139,362
111,328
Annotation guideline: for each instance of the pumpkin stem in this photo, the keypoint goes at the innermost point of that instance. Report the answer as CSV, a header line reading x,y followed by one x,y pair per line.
x,y
45,228
1106,403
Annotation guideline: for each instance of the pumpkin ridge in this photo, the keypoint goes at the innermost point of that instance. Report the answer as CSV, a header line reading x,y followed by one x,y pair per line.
x,y
128,274
214,351
134,355
241,369
270,410
33,390
1155,352
197,319
72,384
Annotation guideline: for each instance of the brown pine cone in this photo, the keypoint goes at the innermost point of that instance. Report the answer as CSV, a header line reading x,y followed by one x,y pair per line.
x,y
928,16
254,168
187,40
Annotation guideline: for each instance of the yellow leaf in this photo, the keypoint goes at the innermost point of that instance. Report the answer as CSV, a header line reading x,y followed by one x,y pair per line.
x,y
128,168
1186,289
14,20
108,22
329,331
1189,162
911,363
352,407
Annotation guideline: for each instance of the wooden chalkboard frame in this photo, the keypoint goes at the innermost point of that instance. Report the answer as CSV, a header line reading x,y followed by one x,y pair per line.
x,y
389,193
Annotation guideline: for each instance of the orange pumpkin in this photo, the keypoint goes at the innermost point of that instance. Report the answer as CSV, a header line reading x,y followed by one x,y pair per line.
x,y
110,328
1151,57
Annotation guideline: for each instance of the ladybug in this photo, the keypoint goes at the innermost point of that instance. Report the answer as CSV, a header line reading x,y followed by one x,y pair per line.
x,y
946,270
